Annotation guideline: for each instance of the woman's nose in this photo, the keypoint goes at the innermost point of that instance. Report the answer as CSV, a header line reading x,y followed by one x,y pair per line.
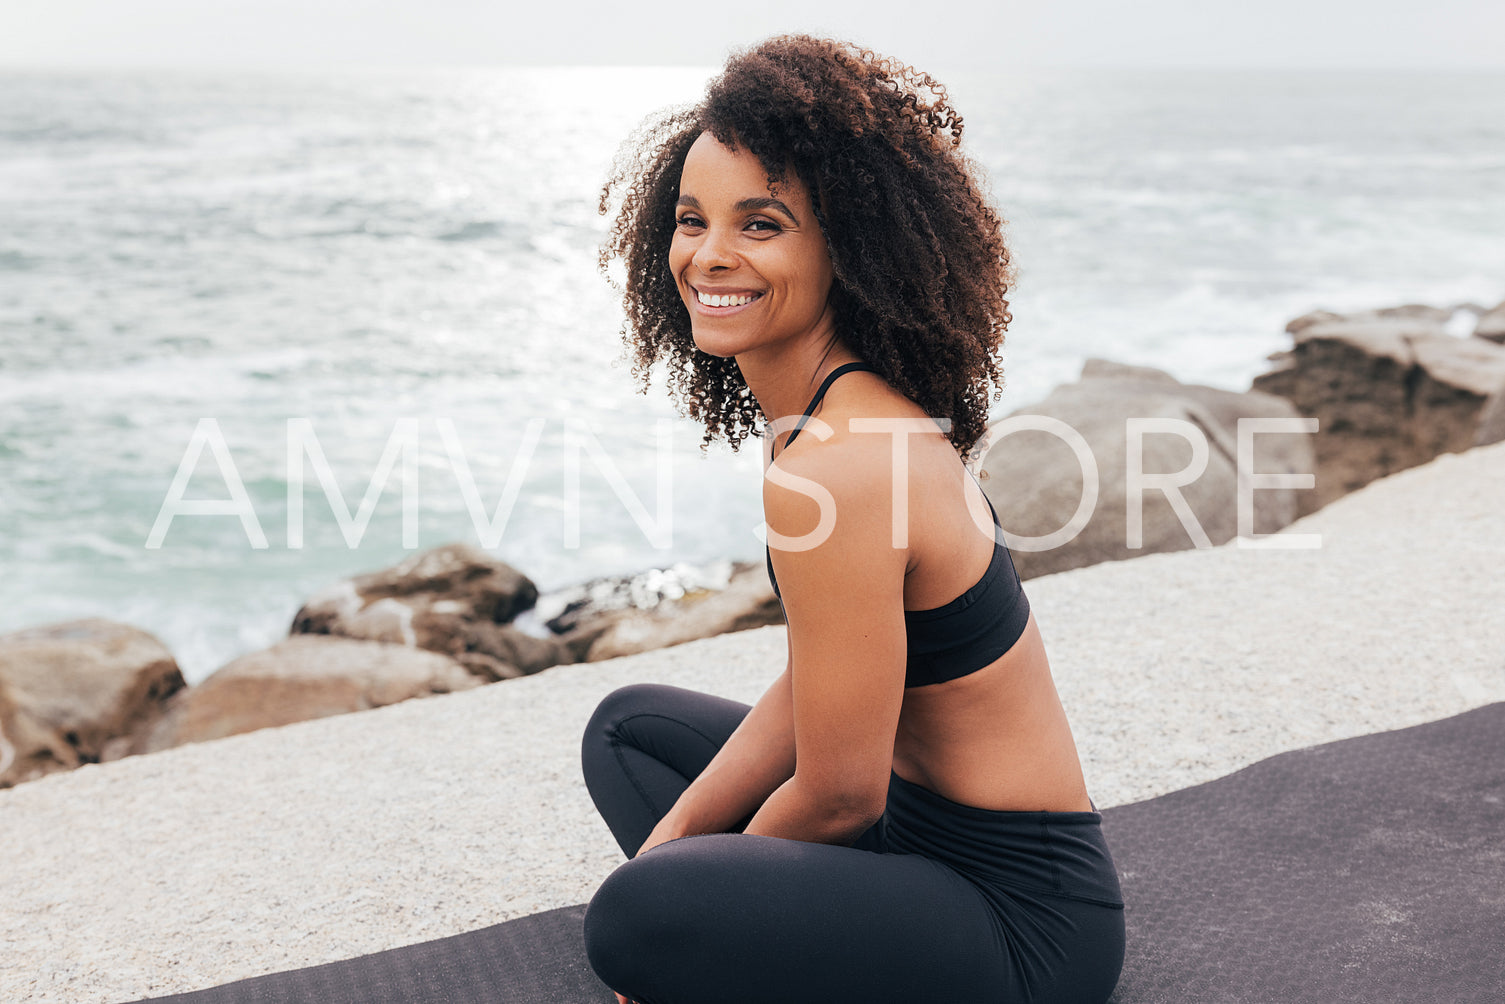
x,y
714,252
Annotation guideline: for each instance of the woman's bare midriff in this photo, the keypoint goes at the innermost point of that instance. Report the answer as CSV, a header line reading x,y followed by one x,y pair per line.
x,y
996,739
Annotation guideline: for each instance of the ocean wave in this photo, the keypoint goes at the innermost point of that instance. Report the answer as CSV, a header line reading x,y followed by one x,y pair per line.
x,y
484,230
15,261
346,247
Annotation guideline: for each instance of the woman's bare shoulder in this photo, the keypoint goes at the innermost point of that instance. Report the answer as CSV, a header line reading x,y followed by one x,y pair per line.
x,y
842,470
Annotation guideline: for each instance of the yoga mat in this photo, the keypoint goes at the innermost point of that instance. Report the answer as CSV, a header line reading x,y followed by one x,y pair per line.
x,y
1366,870
538,959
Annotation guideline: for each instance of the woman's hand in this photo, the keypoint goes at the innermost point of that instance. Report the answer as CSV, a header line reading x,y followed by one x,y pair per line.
x,y
664,832
624,1000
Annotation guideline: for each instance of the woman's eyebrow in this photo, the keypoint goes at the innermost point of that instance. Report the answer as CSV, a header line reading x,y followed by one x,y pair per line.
x,y
764,202
757,202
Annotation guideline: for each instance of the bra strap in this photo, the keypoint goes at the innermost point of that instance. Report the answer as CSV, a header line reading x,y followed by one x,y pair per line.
x,y
997,525
825,385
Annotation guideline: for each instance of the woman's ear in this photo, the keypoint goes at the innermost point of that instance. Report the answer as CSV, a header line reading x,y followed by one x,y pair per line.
x,y
838,299
821,202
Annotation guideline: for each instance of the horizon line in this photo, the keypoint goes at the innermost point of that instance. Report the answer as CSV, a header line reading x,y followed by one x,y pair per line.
x,y
355,65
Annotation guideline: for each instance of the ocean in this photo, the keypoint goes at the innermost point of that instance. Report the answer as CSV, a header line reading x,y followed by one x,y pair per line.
x,y
197,269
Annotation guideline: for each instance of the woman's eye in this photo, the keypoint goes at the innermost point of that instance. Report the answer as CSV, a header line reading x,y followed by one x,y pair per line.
x,y
695,222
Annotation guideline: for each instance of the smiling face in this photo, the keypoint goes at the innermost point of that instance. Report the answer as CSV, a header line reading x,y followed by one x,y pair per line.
x,y
752,266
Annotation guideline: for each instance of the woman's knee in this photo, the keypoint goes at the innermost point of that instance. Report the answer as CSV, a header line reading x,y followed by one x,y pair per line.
x,y
615,708
628,921
623,703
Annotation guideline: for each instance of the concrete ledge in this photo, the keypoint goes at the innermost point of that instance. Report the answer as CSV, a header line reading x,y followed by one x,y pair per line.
x,y
341,836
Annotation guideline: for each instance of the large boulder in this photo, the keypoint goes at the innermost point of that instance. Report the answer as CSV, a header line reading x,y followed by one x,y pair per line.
x,y
1036,482
454,599
1389,391
76,692
1491,325
1491,420
29,747
623,615
1413,314
746,602
302,677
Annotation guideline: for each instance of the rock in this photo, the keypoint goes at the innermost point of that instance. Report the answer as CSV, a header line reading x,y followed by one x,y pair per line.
x,y
302,677
76,692
1108,369
1491,325
29,748
454,599
569,610
1491,420
615,616
1389,391
1035,481
502,652
1300,324
1435,318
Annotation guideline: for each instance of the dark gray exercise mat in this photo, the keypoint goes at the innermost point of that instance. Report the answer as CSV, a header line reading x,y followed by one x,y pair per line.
x,y
1370,870
538,959
1367,870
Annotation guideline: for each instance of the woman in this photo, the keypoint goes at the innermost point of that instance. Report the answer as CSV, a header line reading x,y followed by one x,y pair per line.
x,y
902,815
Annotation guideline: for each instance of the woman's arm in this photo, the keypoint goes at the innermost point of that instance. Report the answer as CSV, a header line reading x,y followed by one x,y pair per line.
x,y
844,600
757,758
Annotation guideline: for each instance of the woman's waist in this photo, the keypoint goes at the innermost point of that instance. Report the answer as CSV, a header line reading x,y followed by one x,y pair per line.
x,y
1060,853
1004,773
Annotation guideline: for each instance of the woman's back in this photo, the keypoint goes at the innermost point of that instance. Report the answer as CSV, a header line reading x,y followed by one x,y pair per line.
x,y
995,736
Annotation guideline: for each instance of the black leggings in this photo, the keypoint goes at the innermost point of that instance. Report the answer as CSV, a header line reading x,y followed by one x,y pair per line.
x,y
938,902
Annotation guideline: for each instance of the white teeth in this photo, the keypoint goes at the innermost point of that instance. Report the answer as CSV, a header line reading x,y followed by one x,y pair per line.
x,y
724,300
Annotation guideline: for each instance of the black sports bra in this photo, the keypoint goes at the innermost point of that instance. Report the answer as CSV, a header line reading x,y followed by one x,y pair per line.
x,y
971,631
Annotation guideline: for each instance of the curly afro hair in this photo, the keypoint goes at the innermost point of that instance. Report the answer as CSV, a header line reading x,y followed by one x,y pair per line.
x,y
920,265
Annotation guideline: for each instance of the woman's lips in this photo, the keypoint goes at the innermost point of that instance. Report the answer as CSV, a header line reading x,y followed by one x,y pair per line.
x,y
718,311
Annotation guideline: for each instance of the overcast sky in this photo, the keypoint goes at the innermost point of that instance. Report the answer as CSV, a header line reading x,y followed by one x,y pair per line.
x,y
1459,34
